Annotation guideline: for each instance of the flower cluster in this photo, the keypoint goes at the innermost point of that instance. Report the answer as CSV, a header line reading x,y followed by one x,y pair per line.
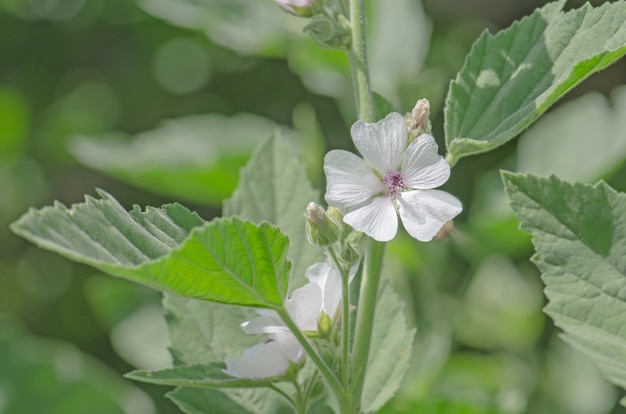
x,y
393,177
311,307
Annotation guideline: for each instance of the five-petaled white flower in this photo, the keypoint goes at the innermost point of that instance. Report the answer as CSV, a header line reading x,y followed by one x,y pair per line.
x,y
322,294
392,176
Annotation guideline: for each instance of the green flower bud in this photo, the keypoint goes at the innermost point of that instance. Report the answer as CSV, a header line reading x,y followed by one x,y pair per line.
x,y
330,33
321,229
324,325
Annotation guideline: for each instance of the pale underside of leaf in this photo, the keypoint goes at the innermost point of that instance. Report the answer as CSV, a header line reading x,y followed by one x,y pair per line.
x,y
579,233
511,78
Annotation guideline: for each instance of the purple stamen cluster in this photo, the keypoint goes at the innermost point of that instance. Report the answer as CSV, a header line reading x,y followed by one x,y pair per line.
x,y
394,180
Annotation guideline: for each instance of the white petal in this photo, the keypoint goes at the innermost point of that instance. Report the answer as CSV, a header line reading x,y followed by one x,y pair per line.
x,y
270,322
305,306
382,143
422,166
376,217
259,361
424,212
290,345
349,181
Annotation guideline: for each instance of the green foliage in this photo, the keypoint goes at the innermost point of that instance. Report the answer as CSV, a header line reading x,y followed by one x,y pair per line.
x,y
579,234
273,187
195,158
228,261
198,376
511,78
392,344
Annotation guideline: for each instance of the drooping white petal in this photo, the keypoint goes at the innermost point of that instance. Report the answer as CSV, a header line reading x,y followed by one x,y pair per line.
x,y
382,143
376,217
289,345
268,322
422,166
349,181
424,212
305,306
259,361
329,281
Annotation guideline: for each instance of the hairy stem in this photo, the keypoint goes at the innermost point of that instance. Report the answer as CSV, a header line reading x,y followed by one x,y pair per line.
x,y
327,373
358,62
365,318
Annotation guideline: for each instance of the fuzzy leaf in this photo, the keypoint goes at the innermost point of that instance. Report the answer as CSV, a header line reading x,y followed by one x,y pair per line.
x,y
390,352
579,233
197,376
227,261
274,188
511,78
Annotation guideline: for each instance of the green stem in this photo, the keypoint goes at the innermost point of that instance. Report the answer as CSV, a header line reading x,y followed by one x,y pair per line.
x,y
358,62
365,318
345,318
326,371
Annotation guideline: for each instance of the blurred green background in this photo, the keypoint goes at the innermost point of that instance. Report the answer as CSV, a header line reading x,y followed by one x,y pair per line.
x,y
157,101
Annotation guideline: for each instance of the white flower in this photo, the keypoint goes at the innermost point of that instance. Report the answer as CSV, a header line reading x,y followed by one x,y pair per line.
x,y
321,294
269,359
393,176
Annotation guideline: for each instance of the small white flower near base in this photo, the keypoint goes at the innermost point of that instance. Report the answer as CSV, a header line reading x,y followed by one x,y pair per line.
x,y
393,177
322,294
269,359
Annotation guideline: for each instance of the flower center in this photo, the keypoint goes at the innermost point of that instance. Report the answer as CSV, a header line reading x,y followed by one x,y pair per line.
x,y
394,180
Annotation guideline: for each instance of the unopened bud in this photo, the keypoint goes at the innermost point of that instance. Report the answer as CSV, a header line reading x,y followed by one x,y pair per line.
x,y
324,325
330,33
420,122
321,229
300,8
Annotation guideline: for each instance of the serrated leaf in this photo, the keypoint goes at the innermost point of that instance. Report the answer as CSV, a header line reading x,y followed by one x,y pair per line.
x,y
235,401
274,187
198,376
511,78
391,349
579,233
228,261
195,158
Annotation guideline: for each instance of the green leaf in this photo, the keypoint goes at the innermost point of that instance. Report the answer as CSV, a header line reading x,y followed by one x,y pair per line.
x,y
559,142
227,261
214,401
391,349
198,376
382,107
579,233
274,188
195,158
510,79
